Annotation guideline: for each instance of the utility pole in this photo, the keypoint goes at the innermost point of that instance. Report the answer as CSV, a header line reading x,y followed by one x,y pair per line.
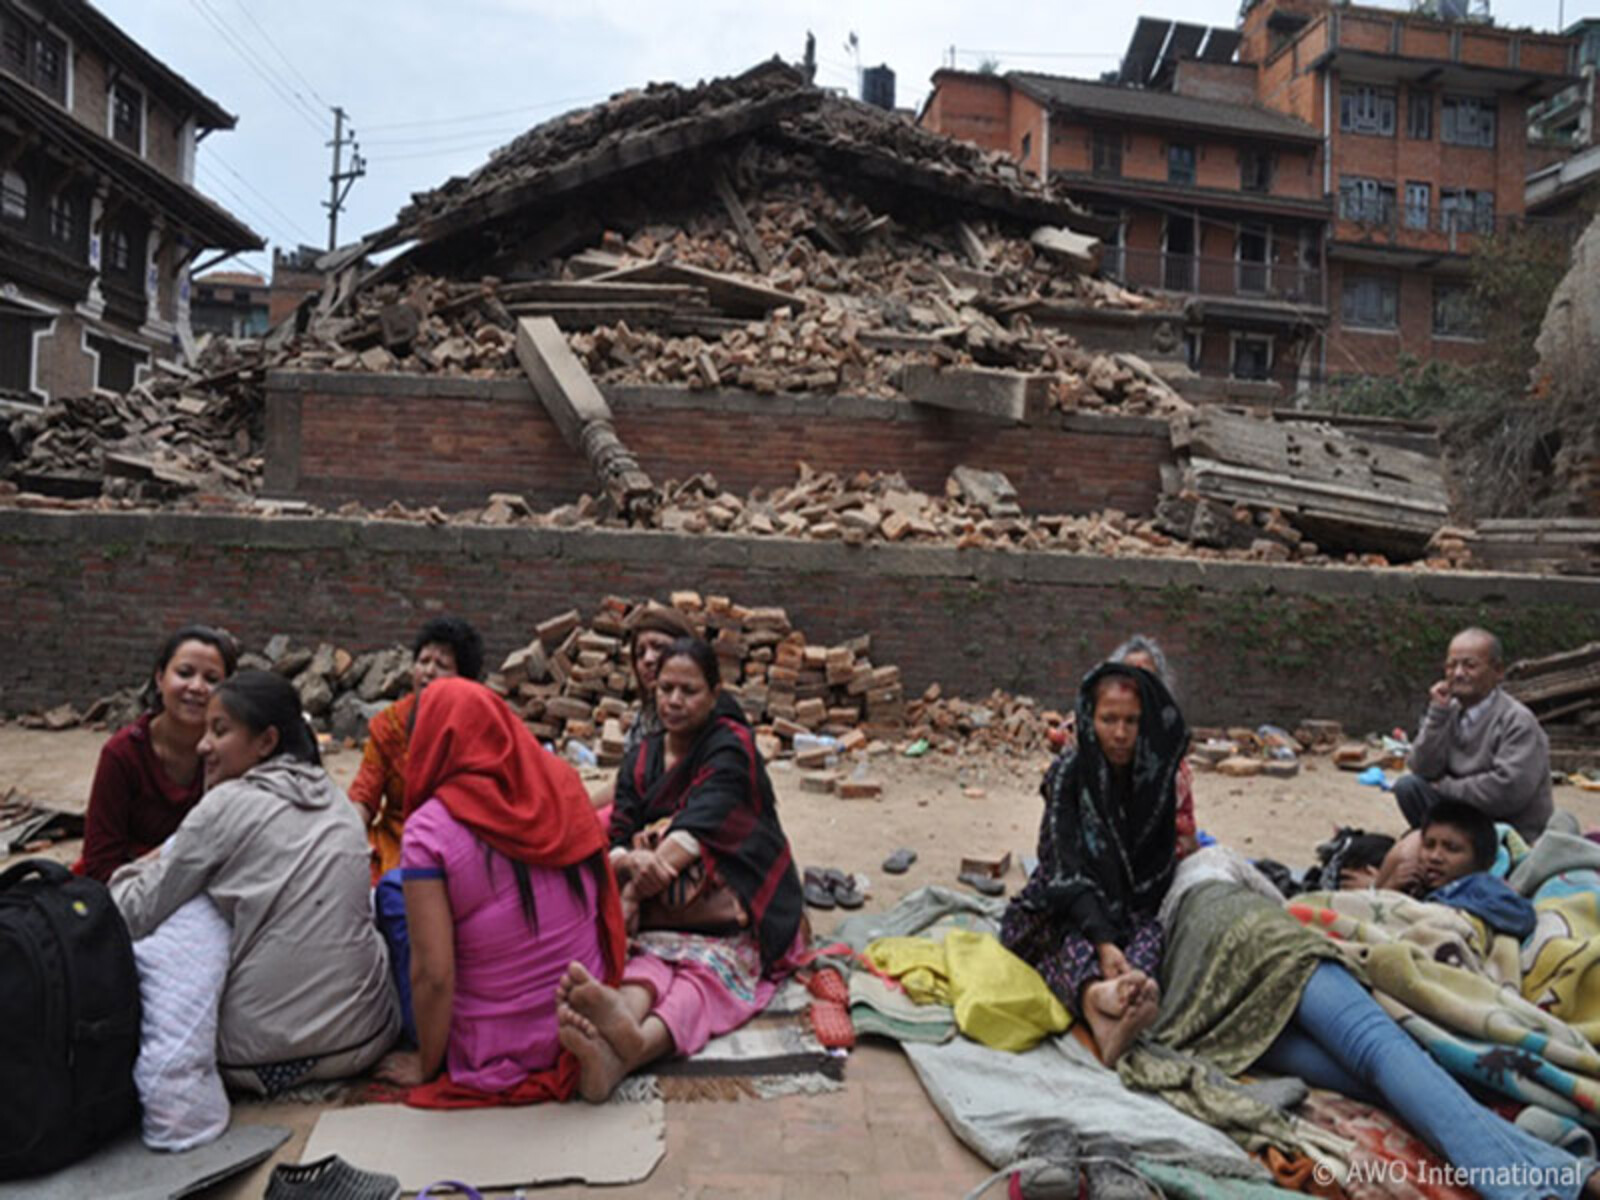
x,y
358,167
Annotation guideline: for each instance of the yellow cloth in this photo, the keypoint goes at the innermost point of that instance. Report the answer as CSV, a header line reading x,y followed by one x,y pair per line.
x,y
998,999
1563,953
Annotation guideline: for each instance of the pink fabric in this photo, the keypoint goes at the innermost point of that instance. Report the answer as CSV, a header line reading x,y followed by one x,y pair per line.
x,y
695,1004
503,1021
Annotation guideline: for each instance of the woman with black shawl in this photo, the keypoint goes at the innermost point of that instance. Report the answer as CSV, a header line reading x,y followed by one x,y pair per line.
x,y
1107,851
709,886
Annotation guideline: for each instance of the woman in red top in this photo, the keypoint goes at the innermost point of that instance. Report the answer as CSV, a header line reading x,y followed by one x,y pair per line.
x,y
149,773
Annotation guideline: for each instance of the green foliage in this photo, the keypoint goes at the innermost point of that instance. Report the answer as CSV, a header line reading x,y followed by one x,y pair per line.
x,y
1514,273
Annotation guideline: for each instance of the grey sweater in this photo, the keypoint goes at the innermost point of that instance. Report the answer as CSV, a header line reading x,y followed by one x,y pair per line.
x,y
282,853
1500,765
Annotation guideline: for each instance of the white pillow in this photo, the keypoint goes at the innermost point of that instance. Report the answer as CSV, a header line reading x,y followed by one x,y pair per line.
x,y
182,967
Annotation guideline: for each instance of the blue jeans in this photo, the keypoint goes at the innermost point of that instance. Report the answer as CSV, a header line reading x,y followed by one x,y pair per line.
x,y
1341,1039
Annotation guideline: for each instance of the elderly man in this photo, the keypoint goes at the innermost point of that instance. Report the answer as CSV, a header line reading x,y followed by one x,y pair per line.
x,y
1477,744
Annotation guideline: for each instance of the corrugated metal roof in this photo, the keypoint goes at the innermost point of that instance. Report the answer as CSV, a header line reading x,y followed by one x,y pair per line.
x,y
1161,108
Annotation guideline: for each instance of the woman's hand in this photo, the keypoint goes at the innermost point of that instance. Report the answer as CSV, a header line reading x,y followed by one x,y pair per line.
x,y
630,908
1112,961
651,874
403,1068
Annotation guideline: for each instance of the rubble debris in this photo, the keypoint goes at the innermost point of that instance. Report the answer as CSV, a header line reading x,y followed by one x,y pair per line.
x,y
1345,492
1563,690
1554,545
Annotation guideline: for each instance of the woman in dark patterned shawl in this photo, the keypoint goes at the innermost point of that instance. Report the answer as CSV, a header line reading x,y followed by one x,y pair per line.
x,y
1107,851
709,883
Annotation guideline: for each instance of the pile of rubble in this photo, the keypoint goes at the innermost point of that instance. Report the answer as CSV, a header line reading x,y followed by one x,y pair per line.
x,y
1563,690
1000,724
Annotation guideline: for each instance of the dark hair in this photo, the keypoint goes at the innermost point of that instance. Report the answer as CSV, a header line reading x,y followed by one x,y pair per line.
x,y
262,700
219,640
1474,822
699,652
593,867
465,642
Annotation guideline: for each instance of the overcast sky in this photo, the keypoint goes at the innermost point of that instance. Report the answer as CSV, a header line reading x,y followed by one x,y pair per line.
x,y
431,88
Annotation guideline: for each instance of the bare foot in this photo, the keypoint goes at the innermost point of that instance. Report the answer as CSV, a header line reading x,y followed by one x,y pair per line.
x,y
1119,1010
574,975
608,1011
599,1067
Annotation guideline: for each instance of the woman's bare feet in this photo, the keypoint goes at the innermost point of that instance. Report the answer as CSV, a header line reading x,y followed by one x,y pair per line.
x,y
1119,1010
606,1009
600,1068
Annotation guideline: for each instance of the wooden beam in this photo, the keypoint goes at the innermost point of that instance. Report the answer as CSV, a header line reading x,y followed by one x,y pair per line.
x,y
748,238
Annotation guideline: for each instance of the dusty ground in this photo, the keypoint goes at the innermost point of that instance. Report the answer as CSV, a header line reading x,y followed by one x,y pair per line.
x,y
879,1137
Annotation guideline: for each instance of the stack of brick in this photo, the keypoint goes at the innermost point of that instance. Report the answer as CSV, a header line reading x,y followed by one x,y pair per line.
x,y
1002,723
572,681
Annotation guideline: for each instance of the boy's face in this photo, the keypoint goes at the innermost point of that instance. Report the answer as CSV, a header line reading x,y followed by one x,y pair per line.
x,y
1446,855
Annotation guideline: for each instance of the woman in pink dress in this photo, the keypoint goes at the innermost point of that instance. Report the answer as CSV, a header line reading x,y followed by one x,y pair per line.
x,y
506,882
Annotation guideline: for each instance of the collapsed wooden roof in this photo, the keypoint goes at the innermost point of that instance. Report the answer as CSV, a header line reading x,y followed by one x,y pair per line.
x,y
671,129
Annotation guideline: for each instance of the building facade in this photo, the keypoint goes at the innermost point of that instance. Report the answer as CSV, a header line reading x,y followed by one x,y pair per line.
x,y
230,303
99,218
1313,182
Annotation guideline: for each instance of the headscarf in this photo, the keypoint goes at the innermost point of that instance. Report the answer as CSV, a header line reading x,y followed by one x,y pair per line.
x,y
661,618
1113,848
474,755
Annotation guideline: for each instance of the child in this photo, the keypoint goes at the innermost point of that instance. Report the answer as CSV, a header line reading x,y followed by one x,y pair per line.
x,y
1457,848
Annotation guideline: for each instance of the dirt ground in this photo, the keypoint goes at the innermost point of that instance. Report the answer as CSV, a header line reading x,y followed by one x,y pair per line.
x,y
879,1137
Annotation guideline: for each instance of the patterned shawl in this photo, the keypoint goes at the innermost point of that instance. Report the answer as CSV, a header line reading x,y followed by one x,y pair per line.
x,y
719,792
1103,867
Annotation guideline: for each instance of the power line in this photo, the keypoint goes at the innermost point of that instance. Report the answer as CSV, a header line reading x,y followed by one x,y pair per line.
x,y
213,156
267,76
267,37
442,151
470,117
457,136
249,209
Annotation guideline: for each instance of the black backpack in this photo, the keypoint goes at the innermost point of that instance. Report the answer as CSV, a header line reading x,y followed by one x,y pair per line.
x,y
69,1018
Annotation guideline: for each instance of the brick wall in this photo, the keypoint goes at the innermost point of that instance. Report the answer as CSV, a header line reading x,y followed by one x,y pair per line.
x,y
92,594
338,437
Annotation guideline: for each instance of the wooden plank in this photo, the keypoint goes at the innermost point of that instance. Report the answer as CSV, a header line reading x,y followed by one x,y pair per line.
x,y
748,238
738,297
587,316
568,291
972,246
1245,483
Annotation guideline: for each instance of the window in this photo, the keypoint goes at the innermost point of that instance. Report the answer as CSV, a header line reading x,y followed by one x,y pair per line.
x,y
1467,121
1180,163
1371,301
1255,170
1178,262
1419,199
34,54
1366,200
1364,109
119,251
1419,115
1108,153
1464,211
1113,248
16,353
118,367
127,117
1252,357
63,219
1253,251
13,196
1455,312
1027,146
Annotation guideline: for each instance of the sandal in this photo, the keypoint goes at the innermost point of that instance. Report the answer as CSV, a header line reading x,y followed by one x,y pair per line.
x,y
466,1189
825,983
817,892
987,884
900,861
831,1022
844,889
329,1178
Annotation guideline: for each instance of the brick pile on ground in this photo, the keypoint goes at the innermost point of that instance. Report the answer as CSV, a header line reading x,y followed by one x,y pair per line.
x,y
1001,723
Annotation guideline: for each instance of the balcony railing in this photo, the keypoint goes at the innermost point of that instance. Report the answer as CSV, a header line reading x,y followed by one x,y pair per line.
x,y
1169,272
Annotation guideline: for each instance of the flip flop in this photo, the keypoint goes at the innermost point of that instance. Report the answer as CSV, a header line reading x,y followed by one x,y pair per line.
x,y
817,892
986,884
843,888
900,861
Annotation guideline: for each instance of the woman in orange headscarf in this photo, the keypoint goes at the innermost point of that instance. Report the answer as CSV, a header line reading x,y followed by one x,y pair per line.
x,y
506,880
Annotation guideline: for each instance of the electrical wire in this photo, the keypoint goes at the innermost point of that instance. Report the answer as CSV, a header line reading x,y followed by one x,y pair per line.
x,y
441,152
457,136
248,208
267,76
267,37
213,157
467,118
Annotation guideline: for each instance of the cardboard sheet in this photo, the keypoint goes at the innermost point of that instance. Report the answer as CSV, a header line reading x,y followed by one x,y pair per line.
x,y
619,1142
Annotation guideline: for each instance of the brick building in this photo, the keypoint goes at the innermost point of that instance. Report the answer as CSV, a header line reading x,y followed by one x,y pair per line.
x,y
99,217
1334,166
231,303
